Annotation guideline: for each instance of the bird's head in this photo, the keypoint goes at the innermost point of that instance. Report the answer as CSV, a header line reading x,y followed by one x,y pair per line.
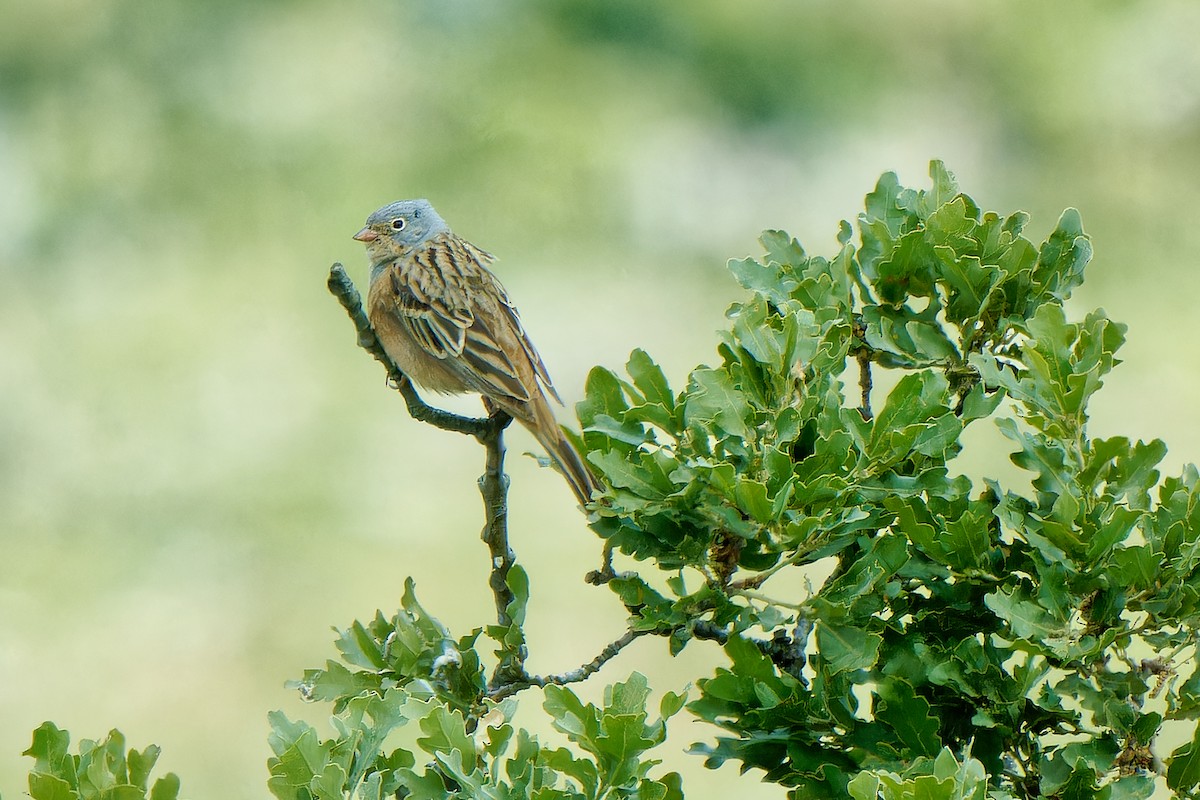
x,y
398,228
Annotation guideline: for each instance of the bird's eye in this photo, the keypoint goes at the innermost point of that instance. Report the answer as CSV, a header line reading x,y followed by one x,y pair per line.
x,y
398,224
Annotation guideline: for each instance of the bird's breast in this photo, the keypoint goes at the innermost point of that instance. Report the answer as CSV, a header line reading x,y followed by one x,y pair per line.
x,y
425,370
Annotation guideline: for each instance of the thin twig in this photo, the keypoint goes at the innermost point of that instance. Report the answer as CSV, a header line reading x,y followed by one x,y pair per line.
x,y
864,381
750,594
703,629
862,354
778,651
573,676
493,484
599,577
700,629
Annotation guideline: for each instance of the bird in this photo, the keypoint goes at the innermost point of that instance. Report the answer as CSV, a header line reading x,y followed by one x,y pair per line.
x,y
449,325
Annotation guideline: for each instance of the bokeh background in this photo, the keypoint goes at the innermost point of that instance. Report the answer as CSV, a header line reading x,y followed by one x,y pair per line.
x,y
200,473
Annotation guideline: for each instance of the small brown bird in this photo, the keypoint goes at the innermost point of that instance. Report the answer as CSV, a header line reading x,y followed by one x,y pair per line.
x,y
448,324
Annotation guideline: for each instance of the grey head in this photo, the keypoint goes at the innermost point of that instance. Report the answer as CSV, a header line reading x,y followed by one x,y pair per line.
x,y
399,227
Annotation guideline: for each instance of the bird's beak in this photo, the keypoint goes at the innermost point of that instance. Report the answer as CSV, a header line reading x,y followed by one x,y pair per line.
x,y
366,235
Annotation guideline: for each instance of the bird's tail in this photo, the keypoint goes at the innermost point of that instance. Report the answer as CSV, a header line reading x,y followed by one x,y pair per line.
x,y
569,462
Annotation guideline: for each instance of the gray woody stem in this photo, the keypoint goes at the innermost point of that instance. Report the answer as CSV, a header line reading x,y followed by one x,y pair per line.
x,y
574,676
493,484
700,629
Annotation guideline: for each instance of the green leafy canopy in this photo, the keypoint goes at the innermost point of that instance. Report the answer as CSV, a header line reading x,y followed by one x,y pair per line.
x,y
901,617
414,717
104,770
892,628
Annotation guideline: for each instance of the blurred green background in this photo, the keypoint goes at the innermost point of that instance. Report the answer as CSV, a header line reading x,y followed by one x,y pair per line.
x,y
199,471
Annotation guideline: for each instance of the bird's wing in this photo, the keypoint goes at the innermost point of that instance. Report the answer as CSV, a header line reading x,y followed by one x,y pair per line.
x,y
457,311
434,317
514,321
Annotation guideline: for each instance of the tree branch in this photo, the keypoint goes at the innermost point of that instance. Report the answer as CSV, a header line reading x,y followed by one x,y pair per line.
x,y
493,484
786,652
864,382
573,676
342,288
862,354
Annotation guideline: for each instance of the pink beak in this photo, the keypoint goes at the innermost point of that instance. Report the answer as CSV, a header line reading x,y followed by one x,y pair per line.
x,y
366,235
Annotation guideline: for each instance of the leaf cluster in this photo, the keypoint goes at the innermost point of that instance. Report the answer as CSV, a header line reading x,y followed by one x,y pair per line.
x,y
407,674
905,609
102,770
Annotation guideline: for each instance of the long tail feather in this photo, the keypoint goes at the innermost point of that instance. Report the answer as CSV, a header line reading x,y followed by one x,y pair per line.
x,y
571,465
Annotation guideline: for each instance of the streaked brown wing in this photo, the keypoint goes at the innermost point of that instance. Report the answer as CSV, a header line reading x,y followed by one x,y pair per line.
x,y
530,351
432,317
489,363
457,311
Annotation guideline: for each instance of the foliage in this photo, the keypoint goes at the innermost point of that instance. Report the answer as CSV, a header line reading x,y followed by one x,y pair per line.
x,y
474,758
894,627
101,770
1033,630
408,669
